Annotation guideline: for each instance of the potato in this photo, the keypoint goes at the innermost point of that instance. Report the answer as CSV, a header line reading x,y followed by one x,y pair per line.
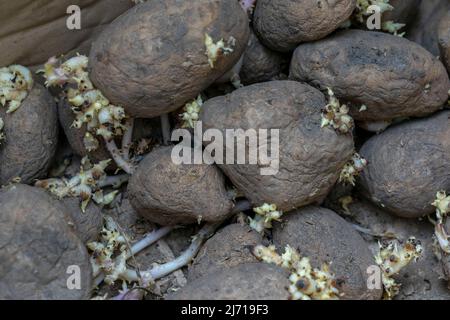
x,y
260,63
325,237
39,251
424,29
31,138
248,281
86,224
419,280
391,76
283,24
228,248
444,40
408,164
152,59
310,157
168,194
404,11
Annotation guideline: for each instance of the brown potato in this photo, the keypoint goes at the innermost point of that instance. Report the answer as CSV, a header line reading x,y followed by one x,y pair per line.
x,y
86,224
248,281
325,237
408,164
404,11
310,157
152,59
391,76
228,248
260,63
31,138
38,248
444,40
283,24
419,280
166,193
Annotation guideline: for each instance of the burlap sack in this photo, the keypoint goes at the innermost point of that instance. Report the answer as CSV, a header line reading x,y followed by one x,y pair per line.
x,y
31,31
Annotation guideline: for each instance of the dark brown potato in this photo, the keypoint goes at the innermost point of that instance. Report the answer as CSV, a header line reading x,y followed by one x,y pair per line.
x,y
38,247
408,164
419,280
325,237
249,281
228,248
310,157
168,194
86,224
31,138
152,59
424,29
391,76
444,40
260,63
404,11
283,24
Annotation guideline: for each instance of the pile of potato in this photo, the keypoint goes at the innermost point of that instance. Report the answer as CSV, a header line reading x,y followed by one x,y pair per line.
x,y
339,94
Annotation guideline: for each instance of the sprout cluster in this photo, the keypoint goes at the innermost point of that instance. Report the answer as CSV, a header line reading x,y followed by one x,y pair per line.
x,y
362,11
392,257
89,105
264,215
215,50
352,169
110,253
191,112
336,115
84,185
442,204
306,282
15,83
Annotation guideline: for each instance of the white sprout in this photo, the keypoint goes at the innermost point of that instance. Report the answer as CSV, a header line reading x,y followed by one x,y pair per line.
x,y
16,81
352,169
191,112
215,50
264,215
336,115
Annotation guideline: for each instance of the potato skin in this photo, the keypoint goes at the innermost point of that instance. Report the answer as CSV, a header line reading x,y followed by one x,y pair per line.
x,y
444,39
260,63
169,194
311,157
408,164
86,224
152,60
248,281
325,237
31,138
37,246
392,76
228,248
283,24
405,11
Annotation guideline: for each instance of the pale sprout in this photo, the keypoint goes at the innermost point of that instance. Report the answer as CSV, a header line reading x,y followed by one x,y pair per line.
x,y
442,204
216,49
352,169
191,112
264,215
336,115
362,11
16,82
392,257
306,282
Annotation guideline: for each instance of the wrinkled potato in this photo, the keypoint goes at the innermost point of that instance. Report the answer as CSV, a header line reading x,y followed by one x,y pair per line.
x,y
38,248
248,281
86,224
391,76
152,59
31,138
419,280
311,157
283,24
408,164
166,193
259,63
228,248
325,237
444,39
